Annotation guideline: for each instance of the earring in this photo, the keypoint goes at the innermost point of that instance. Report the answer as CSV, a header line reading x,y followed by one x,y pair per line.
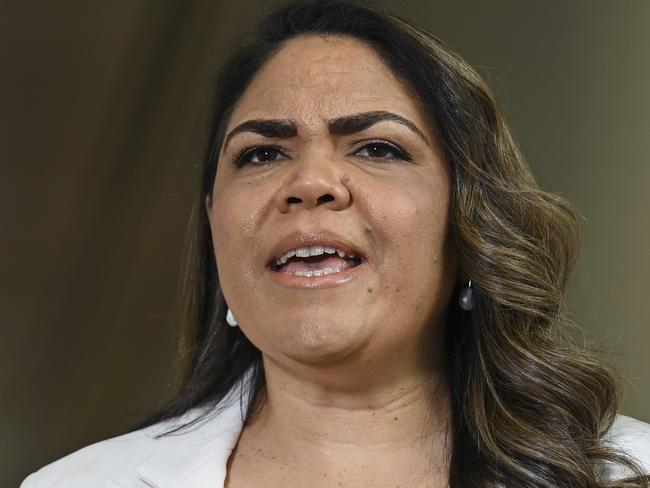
x,y
466,298
230,318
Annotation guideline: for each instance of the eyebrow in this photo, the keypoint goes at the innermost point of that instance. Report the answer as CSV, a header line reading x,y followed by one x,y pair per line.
x,y
348,124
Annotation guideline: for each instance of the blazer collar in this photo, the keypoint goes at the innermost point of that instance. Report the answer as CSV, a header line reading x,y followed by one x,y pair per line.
x,y
197,457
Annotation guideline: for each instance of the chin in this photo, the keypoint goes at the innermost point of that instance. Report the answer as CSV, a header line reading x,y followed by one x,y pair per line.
x,y
322,342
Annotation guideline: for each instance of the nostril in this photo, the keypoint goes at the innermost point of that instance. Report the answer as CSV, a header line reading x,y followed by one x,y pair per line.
x,y
325,198
293,200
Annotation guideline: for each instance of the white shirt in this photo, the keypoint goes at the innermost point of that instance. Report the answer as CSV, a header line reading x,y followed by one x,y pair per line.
x,y
197,457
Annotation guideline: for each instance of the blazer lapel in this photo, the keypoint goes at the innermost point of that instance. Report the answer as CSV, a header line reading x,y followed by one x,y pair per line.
x,y
196,457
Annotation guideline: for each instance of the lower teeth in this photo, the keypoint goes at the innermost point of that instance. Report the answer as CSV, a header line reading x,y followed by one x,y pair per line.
x,y
317,272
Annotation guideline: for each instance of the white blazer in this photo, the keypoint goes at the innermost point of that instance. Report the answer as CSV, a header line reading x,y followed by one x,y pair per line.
x,y
197,458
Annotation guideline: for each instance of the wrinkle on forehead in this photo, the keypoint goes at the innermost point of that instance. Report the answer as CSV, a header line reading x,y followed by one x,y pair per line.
x,y
315,78
303,64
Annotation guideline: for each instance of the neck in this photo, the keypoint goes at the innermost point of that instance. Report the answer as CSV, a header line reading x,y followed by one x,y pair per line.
x,y
335,421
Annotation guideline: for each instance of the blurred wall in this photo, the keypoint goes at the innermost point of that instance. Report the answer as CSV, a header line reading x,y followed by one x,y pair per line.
x,y
102,122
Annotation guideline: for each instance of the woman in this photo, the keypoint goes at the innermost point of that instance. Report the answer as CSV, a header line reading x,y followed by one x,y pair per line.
x,y
377,294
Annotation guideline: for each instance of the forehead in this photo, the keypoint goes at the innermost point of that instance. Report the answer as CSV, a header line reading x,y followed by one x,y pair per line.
x,y
315,78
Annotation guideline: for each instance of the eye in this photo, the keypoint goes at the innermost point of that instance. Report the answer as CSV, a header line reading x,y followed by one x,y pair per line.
x,y
259,155
383,150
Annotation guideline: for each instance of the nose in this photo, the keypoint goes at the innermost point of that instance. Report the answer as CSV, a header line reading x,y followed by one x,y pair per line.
x,y
313,184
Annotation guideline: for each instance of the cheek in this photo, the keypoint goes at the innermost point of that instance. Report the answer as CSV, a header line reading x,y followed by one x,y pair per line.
x,y
413,217
233,224
419,265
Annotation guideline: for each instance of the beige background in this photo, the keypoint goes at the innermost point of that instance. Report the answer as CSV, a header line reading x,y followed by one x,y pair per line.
x,y
102,107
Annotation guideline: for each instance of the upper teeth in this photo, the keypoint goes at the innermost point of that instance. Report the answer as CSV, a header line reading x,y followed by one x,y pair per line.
x,y
305,252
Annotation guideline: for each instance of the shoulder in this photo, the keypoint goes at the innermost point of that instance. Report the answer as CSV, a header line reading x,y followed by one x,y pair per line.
x,y
197,443
632,437
99,461
192,452
119,460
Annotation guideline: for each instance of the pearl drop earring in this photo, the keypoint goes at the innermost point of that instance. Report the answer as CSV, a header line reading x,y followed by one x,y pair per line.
x,y
466,298
230,318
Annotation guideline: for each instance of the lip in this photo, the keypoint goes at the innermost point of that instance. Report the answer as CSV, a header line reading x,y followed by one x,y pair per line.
x,y
320,238
290,280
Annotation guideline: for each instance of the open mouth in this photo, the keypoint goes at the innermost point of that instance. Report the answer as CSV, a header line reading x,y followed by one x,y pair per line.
x,y
329,261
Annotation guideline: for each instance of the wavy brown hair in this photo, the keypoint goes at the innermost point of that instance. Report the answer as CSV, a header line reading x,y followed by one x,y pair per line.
x,y
529,406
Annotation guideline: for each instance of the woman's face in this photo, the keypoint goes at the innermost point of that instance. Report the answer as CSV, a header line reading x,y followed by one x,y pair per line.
x,y
347,159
